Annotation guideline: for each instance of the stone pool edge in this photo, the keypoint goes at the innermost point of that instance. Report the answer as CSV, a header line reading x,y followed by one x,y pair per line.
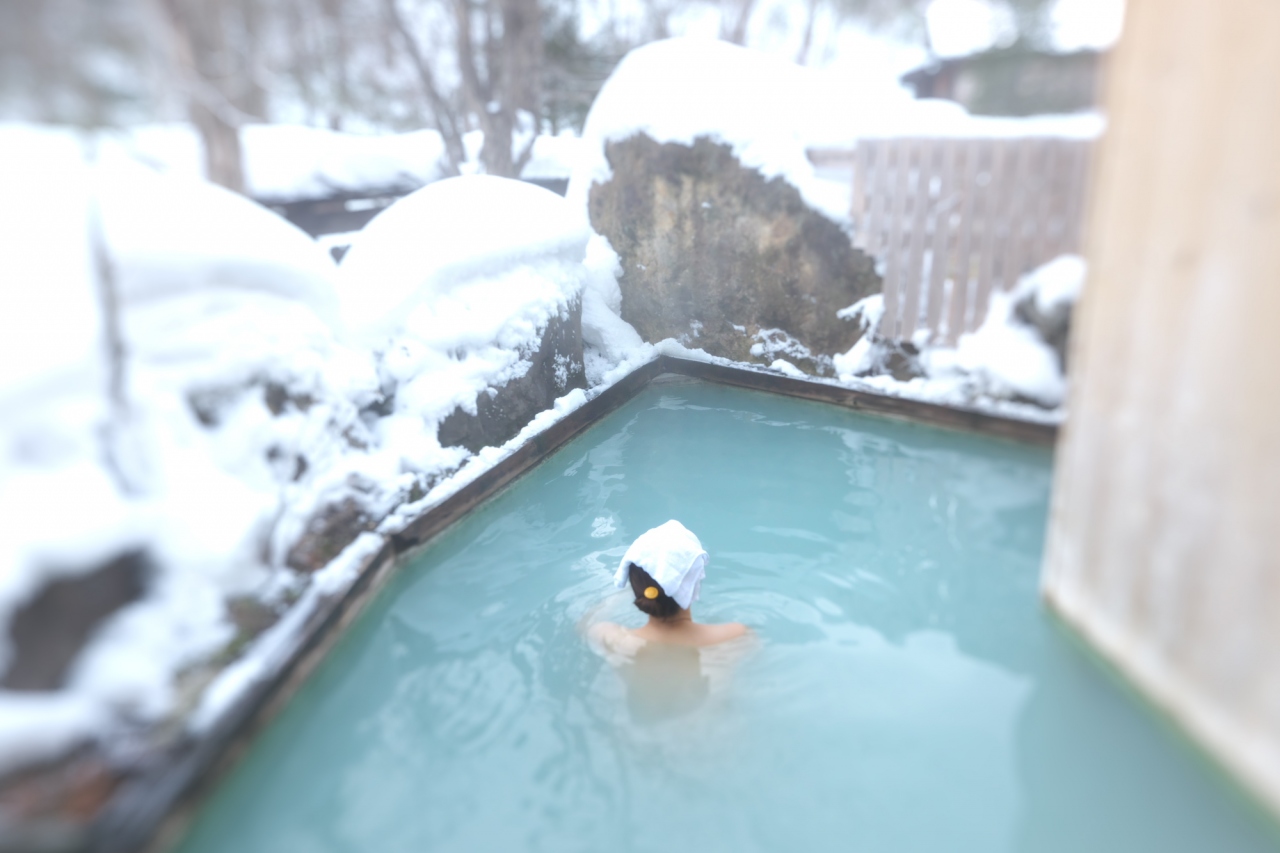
x,y
152,810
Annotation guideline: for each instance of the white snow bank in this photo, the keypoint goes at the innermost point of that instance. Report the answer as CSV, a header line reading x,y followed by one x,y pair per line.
x,y
170,235
962,27
554,156
1005,358
50,329
433,260
770,112
272,649
289,162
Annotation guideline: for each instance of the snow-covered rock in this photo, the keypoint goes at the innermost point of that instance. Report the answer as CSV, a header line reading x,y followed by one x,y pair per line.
x,y
767,110
770,112
157,324
466,287
718,258
201,413
1045,297
727,239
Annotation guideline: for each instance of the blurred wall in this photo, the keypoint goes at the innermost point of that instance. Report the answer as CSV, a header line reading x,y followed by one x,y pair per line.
x,y
1164,544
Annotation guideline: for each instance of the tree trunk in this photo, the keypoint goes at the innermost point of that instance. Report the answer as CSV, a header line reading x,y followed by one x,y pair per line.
x,y
733,24
447,122
197,30
802,58
223,156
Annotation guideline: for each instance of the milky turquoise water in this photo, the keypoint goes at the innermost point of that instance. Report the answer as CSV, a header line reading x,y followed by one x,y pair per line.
x,y
908,691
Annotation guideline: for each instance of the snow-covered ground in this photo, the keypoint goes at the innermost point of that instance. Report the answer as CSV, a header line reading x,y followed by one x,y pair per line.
x,y
183,372
291,162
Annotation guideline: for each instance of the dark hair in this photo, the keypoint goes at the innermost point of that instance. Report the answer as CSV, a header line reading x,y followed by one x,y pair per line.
x,y
661,607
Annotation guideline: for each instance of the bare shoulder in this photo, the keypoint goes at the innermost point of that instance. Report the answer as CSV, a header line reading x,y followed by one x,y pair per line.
x,y
610,639
726,631
605,632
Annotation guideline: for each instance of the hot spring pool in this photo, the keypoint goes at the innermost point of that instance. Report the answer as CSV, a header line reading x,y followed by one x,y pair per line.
x,y
909,692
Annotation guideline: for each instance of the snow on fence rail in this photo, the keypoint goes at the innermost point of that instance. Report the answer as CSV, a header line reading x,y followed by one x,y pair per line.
x,y
950,219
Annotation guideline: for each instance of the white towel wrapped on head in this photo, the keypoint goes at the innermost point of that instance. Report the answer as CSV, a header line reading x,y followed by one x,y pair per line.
x,y
672,556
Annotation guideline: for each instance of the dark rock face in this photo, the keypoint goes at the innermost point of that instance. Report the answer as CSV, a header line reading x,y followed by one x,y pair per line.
x,y
1053,326
899,359
328,532
721,259
50,630
555,368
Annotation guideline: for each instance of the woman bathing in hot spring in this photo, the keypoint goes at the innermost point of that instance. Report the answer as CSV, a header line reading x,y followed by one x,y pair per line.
x,y
671,662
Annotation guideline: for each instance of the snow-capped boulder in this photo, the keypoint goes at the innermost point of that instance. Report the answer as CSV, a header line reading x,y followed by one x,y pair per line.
x,y
721,259
175,400
726,239
470,291
1045,298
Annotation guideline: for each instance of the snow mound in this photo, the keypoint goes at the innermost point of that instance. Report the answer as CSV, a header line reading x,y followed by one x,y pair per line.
x,y
171,235
554,157
770,112
438,261
291,161
1007,359
453,287
50,329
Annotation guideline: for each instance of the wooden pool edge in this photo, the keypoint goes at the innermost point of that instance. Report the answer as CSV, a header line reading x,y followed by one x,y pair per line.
x,y
153,809
899,408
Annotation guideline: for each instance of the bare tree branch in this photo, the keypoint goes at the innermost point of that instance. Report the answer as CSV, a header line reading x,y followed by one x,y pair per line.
x,y
446,121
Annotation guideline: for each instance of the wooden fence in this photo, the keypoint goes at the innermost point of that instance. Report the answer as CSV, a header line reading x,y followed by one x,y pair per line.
x,y
949,220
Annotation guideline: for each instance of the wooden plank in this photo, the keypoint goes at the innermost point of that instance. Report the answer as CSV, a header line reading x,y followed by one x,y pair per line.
x,y
957,310
942,236
877,177
992,196
1015,206
1011,204
1073,213
918,221
934,414
1034,214
897,150
858,213
1054,200
1040,245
